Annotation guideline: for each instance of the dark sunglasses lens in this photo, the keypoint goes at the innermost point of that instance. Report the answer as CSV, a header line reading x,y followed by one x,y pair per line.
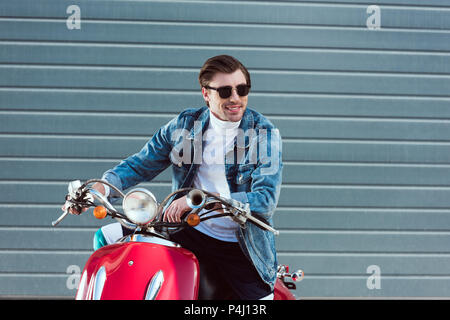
x,y
242,90
224,92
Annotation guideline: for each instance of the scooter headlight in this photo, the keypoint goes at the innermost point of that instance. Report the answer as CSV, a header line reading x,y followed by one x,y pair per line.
x,y
140,206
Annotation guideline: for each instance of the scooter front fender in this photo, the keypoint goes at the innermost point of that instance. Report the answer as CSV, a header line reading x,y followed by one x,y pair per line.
x,y
138,270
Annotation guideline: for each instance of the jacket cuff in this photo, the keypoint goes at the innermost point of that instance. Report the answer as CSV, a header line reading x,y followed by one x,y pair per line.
x,y
112,178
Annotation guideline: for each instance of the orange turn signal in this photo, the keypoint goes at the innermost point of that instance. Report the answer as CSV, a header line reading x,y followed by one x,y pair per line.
x,y
100,212
193,219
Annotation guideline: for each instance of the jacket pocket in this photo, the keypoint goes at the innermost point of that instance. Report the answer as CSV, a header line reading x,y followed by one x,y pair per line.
x,y
244,174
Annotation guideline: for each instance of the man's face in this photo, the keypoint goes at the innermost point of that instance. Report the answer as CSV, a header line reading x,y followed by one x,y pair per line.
x,y
228,109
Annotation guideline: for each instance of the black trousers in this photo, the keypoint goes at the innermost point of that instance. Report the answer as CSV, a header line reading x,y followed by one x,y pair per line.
x,y
225,272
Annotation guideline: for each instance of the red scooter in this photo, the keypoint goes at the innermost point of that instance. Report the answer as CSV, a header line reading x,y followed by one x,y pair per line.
x,y
146,264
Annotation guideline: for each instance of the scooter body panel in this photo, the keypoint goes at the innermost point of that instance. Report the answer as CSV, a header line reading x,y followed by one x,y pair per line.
x,y
128,270
281,292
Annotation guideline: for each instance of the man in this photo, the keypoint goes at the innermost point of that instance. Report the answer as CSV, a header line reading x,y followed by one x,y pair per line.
x,y
227,149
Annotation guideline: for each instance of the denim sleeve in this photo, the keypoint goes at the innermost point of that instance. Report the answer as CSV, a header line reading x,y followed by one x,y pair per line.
x,y
146,164
266,180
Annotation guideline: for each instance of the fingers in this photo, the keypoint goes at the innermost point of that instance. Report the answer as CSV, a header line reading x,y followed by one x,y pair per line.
x,y
219,208
173,214
73,211
167,213
178,207
176,210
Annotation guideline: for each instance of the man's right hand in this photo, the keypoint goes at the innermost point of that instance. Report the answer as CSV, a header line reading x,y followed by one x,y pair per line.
x,y
97,186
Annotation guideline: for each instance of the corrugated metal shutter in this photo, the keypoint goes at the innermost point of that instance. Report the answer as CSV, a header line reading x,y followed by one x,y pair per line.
x,y
364,115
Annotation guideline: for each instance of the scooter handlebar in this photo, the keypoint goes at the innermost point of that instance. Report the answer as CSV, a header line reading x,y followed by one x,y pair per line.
x,y
61,218
240,211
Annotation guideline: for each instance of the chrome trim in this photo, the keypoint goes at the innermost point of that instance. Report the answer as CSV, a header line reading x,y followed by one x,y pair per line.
x,y
99,282
104,201
82,287
148,239
101,197
195,199
141,217
155,285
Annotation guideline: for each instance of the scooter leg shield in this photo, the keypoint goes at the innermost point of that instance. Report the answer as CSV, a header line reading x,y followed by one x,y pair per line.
x,y
99,240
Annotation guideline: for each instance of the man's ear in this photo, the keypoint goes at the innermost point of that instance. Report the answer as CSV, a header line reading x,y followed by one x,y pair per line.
x,y
205,94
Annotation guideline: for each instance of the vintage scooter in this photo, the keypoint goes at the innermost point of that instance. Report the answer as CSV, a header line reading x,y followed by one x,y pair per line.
x,y
146,264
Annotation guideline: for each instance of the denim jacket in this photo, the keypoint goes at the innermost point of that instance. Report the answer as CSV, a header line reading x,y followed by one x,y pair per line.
x,y
253,171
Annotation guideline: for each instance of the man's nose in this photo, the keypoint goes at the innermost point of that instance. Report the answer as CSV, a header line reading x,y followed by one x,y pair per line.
x,y
234,96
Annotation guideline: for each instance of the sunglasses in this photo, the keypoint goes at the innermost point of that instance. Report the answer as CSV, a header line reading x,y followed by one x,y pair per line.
x,y
226,91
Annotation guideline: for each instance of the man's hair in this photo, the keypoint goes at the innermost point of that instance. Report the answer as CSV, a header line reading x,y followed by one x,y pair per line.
x,y
224,64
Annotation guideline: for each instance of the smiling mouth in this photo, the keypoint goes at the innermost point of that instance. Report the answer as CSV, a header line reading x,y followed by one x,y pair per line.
x,y
233,108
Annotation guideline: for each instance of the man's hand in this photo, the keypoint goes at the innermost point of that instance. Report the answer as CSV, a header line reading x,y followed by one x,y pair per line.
x,y
97,186
176,209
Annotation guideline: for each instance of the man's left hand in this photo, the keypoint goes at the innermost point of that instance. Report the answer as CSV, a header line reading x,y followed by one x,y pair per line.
x,y
176,209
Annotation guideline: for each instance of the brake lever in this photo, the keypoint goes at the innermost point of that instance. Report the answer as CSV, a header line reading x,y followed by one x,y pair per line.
x,y
57,221
74,192
241,213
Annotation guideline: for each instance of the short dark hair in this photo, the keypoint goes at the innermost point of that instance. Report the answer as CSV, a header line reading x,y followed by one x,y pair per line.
x,y
222,63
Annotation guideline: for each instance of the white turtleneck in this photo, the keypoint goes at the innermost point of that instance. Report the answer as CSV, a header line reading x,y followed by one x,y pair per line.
x,y
218,140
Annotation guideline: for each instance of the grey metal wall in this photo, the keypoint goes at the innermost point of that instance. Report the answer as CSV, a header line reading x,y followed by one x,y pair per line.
x,y
364,115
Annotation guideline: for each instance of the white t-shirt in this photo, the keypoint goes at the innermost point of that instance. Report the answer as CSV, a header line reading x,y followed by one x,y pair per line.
x,y
218,140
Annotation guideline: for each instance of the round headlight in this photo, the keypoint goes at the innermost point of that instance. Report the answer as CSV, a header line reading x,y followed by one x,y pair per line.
x,y
140,206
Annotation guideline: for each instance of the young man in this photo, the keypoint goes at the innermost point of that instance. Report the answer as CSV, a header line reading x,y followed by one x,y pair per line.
x,y
232,151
